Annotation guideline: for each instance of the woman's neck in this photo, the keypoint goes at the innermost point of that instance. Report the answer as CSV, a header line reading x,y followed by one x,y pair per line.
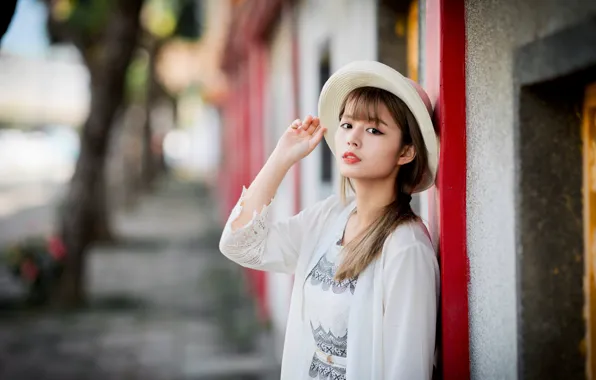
x,y
371,197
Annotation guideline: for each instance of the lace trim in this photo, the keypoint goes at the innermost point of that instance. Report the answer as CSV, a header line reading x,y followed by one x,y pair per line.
x,y
330,344
324,273
246,245
325,371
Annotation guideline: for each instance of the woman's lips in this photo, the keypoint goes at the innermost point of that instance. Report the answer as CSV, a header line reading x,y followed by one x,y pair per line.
x,y
350,158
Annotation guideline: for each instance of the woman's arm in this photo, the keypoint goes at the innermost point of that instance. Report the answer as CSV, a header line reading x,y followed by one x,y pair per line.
x,y
249,238
410,312
296,143
263,188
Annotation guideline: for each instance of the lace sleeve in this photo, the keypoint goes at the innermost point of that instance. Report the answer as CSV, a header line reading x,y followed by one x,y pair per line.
x,y
269,245
246,245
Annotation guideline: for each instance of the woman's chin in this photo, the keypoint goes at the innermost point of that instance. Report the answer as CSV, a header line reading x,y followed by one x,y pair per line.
x,y
350,172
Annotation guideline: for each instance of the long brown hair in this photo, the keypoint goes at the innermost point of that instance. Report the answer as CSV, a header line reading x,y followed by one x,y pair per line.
x,y
367,246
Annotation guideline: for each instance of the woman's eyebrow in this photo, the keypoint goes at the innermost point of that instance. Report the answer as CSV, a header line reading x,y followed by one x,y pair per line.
x,y
376,120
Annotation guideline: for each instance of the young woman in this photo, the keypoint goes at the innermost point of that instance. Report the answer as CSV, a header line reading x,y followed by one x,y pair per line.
x,y
365,295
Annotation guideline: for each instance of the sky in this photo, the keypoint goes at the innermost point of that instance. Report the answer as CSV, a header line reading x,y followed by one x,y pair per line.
x,y
26,35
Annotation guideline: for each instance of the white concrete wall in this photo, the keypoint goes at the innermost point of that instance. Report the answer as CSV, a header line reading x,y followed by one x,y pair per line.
x,y
494,30
349,27
278,116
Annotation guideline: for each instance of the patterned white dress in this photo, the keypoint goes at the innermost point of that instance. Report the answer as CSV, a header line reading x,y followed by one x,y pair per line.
x,y
327,303
389,310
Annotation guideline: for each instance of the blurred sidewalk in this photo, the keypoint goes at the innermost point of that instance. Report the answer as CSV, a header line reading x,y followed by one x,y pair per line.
x,y
163,304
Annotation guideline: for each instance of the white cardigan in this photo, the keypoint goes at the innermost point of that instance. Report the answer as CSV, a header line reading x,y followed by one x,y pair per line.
x,y
392,319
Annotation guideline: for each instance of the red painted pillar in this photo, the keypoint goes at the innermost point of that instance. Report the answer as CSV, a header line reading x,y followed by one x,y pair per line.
x,y
257,64
296,103
445,82
237,129
255,146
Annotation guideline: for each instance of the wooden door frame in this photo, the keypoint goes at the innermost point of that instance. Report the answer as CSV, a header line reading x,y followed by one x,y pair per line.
x,y
589,194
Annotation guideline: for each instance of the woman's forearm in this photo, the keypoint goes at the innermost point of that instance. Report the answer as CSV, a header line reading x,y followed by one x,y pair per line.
x,y
299,140
263,188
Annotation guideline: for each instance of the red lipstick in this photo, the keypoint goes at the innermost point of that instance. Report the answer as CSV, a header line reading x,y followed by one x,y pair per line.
x,y
350,158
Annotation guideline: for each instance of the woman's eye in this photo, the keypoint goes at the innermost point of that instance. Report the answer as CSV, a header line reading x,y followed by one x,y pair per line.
x,y
346,125
374,131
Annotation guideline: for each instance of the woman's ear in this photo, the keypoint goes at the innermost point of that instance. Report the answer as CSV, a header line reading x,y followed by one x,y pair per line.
x,y
408,154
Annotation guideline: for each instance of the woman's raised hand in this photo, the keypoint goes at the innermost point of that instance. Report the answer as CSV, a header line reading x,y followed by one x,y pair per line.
x,y
297,142
301,138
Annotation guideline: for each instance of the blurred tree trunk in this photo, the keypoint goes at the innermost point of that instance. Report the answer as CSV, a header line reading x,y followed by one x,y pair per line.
x,y
102,229
153,161
148,166
107,65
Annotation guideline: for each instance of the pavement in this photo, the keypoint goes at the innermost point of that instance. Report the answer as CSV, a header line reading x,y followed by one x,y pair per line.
x,y
163,304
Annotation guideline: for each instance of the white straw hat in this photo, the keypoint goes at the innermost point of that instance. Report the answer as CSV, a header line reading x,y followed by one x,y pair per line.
x,y
375,74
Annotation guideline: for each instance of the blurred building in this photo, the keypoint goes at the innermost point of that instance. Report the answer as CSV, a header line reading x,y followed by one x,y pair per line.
x,y
43,90
190,69
41,84
512,213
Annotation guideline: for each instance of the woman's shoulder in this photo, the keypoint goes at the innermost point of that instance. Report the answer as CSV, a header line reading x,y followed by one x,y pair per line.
x,y
407,235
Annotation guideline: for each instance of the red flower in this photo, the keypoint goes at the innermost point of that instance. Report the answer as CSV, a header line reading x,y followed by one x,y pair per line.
x,y
29,270
56,248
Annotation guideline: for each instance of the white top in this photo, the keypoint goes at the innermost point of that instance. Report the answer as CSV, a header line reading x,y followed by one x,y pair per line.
x,y
393,311
327,306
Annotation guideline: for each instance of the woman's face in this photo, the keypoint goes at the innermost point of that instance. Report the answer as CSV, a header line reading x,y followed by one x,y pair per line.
x,y
369,149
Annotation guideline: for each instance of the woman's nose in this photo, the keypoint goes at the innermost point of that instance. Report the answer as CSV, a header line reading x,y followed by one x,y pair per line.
x,y
353,140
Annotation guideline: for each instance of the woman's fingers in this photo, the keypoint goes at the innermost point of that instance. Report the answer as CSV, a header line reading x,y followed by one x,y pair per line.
x,y
314,125
317,137
307,126
306,123
310,124
296,124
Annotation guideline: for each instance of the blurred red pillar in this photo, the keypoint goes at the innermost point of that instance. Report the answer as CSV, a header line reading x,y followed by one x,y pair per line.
x,y
245,62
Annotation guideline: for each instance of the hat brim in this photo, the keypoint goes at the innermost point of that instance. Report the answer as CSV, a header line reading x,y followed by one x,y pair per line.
x,y
375,74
